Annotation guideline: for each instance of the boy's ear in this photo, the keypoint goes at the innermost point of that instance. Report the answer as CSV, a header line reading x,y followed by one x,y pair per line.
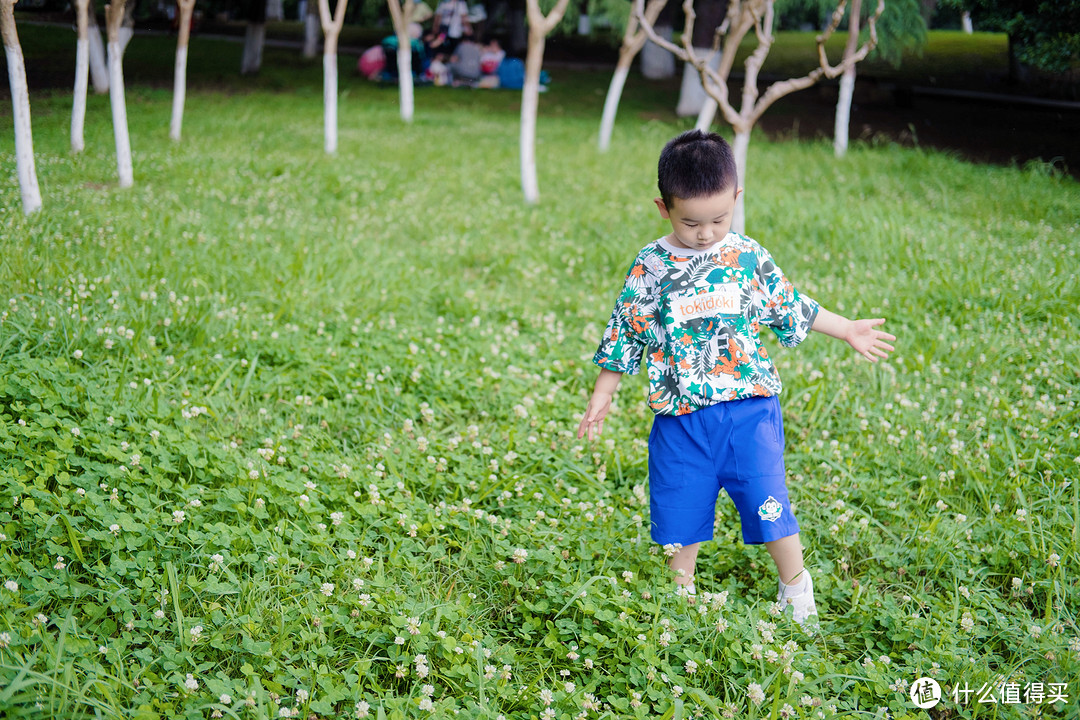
x,y
662,207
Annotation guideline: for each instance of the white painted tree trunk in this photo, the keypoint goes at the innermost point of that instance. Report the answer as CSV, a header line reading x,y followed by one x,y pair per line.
x,y
965,22
99,67
658,63
842,121
119,115
692,95
78,100
405,77
275,10
843,112
739,148
183,37
611,103
530,103
311,31
254,39
20,104
707,115
179,93
330,86
126,33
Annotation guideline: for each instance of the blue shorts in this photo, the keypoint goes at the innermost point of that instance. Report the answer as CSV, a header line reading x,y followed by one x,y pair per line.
x,y
736,445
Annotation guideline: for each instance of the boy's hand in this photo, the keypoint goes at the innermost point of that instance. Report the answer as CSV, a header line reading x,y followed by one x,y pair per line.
x,y
595,412
868,341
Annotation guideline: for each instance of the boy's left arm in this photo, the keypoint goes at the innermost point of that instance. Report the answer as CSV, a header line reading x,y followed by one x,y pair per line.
x,y
862,335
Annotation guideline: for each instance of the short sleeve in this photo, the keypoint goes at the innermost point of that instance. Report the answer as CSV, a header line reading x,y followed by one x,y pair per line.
x,y
624,340
787,312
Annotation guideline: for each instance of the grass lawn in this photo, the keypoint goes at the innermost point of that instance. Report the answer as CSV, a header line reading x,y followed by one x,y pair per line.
x,y
284,434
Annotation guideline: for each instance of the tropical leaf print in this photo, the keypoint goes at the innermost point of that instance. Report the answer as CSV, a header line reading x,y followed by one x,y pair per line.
x,y
707,349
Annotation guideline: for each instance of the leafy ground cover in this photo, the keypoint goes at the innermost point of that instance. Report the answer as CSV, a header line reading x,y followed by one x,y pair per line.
x,y
284,434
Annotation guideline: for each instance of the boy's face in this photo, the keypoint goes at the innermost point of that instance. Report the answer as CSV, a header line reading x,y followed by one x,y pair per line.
x,y
699,223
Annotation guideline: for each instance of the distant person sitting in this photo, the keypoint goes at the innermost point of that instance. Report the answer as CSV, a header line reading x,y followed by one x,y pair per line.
x,y
491,56
390,47
465,63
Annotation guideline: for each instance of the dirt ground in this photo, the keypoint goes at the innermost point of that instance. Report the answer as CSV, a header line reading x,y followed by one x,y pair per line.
x,y
993,131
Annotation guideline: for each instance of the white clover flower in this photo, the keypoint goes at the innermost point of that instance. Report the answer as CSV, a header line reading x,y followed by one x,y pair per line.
x,y
399,640
1053,560
225,699
60,564
362,709
413,625
755,693
76,431
967,622
336,518
691,667
11,586
191,683
327,589
569,687
114,529
102,649
196,633
301,696
159,613
178,516
5,639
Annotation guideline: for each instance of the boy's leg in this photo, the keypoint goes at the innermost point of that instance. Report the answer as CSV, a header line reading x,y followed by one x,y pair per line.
x,y
787,554
684,559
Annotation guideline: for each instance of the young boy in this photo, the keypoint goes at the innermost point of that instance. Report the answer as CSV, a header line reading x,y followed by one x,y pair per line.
x,y
692,305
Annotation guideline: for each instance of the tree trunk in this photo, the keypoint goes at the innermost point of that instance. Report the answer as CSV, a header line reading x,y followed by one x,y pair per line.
x,y
180,70
656,62
275,10
82,71
632,43
330,86
254,39
114,16
692,95
530,103
739,148
611,103
847,84
843,112
99,67
405,76
965,23
20,104
707,115
311,29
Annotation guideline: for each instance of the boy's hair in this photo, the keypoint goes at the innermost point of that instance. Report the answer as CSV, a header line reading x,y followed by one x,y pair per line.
x,y
696,164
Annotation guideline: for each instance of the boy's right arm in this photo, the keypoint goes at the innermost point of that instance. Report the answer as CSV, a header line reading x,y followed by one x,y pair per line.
x,y
599,403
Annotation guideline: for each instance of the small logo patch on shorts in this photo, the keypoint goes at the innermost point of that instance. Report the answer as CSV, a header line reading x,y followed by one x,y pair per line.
x,y
770,509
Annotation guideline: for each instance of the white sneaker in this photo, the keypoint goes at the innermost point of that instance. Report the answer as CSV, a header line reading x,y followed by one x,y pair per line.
x,y
802,605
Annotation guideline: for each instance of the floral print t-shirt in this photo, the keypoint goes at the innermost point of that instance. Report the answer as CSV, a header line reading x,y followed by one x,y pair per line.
x,y
695,316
